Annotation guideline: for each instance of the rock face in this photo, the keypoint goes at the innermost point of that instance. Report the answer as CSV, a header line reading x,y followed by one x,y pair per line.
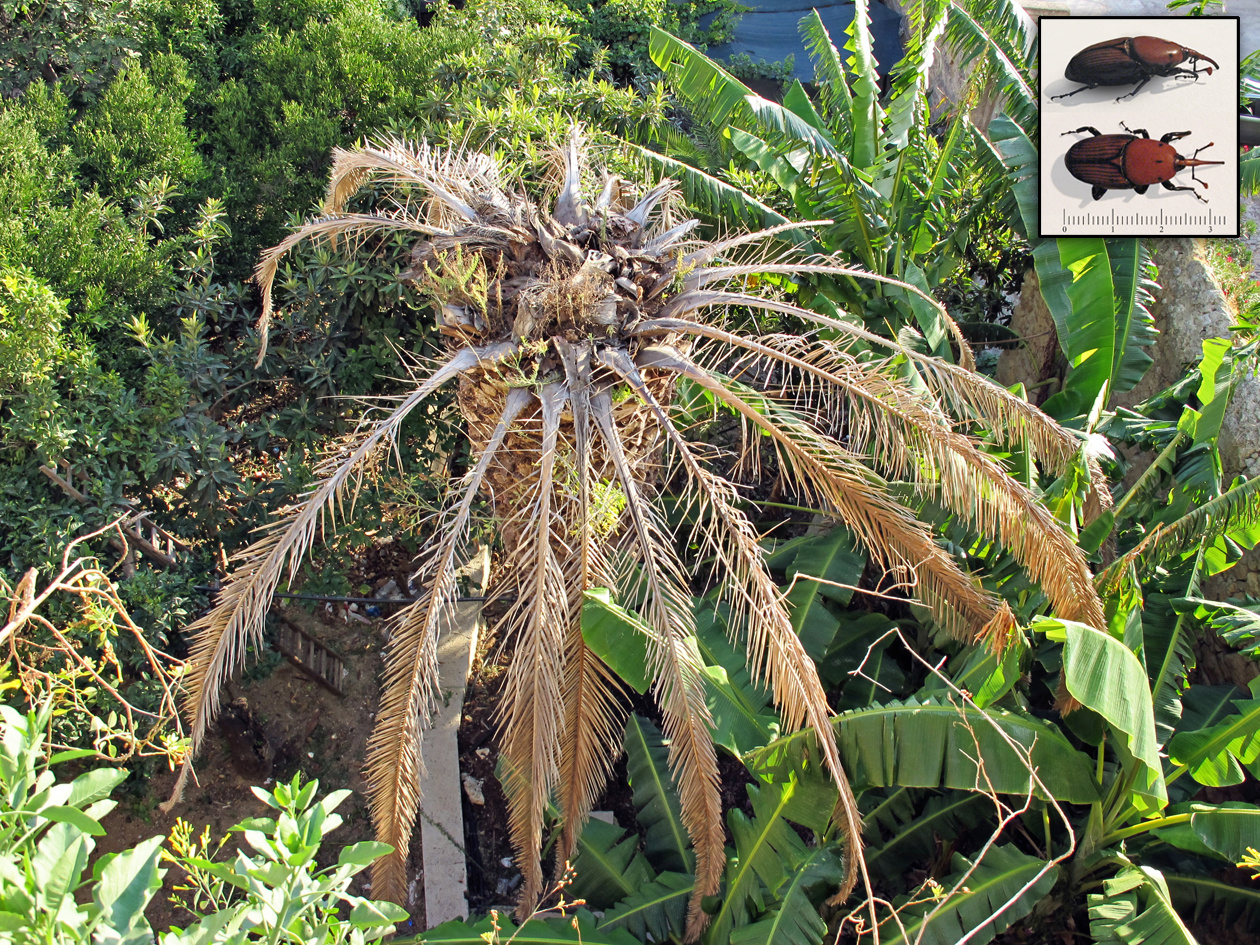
x,y
1188,309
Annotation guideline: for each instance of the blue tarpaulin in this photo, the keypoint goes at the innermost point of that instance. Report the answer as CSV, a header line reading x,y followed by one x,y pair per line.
x,y
769,31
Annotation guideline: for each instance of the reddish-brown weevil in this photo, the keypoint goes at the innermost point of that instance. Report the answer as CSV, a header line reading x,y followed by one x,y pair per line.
x,y
1132,59
1132,161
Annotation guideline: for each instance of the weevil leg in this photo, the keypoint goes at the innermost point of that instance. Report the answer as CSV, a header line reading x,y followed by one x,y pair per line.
x,y
1083,88
1168,185
1190,73
1098,192
1140,132
1090,128
1174,136
1141,188
1140,85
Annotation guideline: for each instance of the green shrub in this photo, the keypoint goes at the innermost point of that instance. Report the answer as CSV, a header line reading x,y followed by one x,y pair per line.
x,y
136,131
83,246
190,29
274,891
30,323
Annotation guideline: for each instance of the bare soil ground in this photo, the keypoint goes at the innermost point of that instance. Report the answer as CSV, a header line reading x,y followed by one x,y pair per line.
x,y
312,730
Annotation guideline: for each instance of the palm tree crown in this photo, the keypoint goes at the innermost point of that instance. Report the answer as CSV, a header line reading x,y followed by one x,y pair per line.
x,y
567,332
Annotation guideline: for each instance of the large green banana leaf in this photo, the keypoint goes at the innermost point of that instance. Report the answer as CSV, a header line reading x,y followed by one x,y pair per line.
x,y
772,869
1221,831
741,717
930,742
831,557
867,116
996,880
794,919
666,842
1135,908
608,865
721,99
1102,674
997,34
1133,275
618,637
1215,756
658,909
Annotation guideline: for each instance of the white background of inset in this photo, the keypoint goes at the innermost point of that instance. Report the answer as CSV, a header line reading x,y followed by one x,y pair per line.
x,y
1207,108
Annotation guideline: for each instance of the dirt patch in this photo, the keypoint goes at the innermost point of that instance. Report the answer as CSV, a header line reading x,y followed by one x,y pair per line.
x,y
309,730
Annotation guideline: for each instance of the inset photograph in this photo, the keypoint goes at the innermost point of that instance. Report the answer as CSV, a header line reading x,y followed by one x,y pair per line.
x,y
1139,126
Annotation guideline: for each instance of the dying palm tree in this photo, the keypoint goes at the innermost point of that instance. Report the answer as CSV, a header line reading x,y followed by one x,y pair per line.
x,y
567,332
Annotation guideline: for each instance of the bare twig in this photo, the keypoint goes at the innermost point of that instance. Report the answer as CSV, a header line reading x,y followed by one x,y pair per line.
x,y
1006,814
83,578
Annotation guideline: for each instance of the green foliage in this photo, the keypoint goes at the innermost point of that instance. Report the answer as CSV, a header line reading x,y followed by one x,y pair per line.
x,y
933,743
79,43
30,324
1003,875
1134,908
135,131
87,249
274,893
901,201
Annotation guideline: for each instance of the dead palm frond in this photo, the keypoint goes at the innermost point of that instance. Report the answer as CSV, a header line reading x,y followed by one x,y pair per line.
x,y
567,333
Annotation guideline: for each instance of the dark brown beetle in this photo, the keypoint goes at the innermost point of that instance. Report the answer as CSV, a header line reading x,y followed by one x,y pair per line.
x,y
1131,59
1132,161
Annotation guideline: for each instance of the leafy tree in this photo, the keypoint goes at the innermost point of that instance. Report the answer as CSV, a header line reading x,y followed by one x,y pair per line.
x,y
79,42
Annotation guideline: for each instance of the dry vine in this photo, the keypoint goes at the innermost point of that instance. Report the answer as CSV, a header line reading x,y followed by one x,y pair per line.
x,y
49,665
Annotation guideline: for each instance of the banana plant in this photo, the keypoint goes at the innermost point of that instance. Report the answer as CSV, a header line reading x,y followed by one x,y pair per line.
x,y
900,201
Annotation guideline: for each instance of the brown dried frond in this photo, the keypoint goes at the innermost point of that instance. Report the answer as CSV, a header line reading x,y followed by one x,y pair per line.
x,y
394,761
593,712
826,473
355,227
999,631
1064,702
775,651
536,627
911,440
677,670
222,635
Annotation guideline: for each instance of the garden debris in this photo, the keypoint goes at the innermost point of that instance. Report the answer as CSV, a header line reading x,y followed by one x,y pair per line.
x,y
159,547
313,657
472,787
